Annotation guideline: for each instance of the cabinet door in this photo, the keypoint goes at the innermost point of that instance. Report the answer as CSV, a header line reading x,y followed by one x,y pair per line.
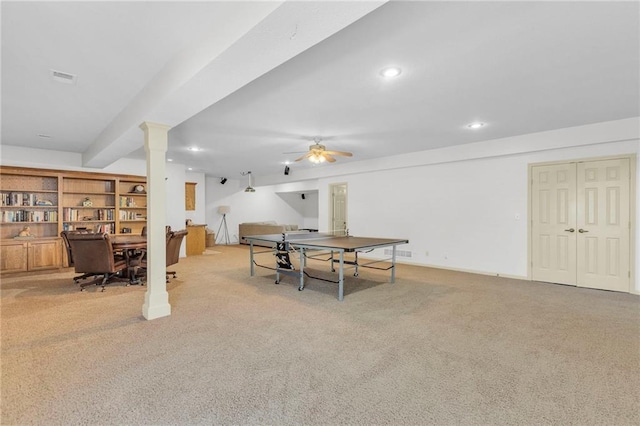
x,y
13,257
196,240
45,255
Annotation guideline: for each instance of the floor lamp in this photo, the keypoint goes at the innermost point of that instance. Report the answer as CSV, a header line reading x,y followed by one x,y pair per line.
x,y
224,236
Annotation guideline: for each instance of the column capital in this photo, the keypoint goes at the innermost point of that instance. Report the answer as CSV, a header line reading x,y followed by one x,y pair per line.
x,y
149,125
156,136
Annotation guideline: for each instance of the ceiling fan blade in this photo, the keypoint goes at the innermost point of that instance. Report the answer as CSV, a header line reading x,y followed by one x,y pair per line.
x,y
342,153
328,157
308,154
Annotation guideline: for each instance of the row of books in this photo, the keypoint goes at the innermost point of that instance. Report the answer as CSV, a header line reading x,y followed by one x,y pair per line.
x,y
29,216
22,199
72,214
128,202
129,215
104,228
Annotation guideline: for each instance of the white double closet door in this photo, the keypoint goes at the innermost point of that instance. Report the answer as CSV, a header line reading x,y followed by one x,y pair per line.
x,y
580,229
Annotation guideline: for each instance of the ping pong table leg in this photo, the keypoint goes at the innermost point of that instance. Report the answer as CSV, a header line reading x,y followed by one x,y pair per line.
x,y
355,264
251,258
341,277
301,269
393,265
332,268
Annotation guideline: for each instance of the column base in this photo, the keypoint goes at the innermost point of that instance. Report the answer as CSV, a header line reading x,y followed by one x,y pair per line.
x,y
153,312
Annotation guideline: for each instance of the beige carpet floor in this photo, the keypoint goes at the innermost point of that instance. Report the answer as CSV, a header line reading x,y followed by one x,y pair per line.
x,y
437,347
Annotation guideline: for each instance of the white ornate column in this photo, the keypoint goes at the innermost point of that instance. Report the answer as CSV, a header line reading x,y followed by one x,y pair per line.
x,y
156,299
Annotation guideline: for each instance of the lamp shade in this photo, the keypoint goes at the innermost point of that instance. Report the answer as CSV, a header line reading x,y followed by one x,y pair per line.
x,y
224,209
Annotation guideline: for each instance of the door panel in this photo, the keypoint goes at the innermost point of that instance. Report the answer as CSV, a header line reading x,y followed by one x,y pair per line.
x,y
604,224
339,209
553,215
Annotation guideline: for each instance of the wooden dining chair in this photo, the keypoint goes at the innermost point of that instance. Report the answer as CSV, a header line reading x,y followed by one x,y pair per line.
x,y
93,254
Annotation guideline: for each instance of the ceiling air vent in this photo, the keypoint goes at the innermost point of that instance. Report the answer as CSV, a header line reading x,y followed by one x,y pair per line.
x,y
63,77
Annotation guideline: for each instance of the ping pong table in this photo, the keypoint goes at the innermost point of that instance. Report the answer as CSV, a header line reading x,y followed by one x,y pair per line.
x,y
305,243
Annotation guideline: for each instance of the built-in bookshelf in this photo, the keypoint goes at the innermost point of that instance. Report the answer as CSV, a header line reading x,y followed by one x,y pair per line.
x,y
28,201
88,203
41,203
132,205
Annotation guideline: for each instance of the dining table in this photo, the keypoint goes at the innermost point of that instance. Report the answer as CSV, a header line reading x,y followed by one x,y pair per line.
x,y
133,247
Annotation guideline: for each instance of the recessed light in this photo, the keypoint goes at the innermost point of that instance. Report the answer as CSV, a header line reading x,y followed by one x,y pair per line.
x,y
189,168
169,159
475,125
390,72
194,149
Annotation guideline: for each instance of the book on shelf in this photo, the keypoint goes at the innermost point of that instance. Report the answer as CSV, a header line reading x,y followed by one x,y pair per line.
x,y
103,228
24,199
29,216
127,202
74,215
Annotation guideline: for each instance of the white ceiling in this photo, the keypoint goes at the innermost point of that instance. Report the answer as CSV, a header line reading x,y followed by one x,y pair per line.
x,y
246,82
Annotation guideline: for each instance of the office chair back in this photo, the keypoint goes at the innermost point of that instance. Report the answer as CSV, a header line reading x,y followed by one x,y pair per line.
x,y
174,242
94,253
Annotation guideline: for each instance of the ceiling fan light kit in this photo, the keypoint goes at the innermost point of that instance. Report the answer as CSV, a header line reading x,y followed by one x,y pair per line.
x,y
318,154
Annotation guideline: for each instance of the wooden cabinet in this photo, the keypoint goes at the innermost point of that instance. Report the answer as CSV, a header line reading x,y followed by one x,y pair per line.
x,y
190,195
196,239
13,256
50,201
30,255
44,254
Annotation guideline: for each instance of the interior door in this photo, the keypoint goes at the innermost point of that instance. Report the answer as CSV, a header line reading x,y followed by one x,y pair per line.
x,y
604,224
553,216
580,224
339,208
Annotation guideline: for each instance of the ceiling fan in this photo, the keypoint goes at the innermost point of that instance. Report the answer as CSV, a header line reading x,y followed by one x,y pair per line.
x,y
318,153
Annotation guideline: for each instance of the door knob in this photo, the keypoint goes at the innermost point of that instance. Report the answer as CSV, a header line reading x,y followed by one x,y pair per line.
x,y
570,230
582,230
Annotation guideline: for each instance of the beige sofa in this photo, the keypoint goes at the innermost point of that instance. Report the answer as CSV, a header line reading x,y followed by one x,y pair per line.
x,y
262,228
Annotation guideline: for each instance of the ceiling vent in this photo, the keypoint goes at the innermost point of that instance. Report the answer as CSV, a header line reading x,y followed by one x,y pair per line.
x,y
63,77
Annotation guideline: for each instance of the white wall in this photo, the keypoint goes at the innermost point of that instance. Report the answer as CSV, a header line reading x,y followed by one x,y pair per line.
x,y
262,205
468,215
310,208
